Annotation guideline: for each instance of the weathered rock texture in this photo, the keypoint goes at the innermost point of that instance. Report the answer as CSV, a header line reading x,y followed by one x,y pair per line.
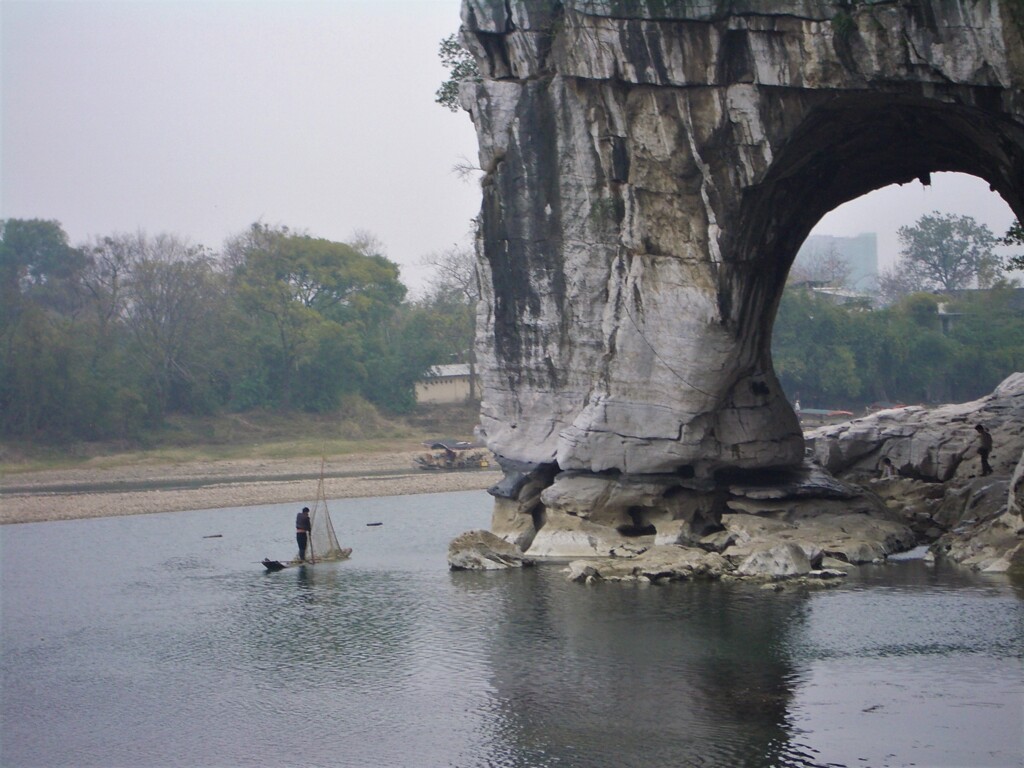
x,y
939,491
651,168
483,551
931,444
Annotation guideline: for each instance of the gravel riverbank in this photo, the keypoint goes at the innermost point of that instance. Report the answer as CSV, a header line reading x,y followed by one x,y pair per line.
x,y
142,489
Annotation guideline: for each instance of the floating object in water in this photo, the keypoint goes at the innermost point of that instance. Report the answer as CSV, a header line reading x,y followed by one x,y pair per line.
x,y
370,524
214,536
277,565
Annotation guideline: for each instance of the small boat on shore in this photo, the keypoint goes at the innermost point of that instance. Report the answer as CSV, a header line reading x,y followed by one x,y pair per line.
x,y
448,454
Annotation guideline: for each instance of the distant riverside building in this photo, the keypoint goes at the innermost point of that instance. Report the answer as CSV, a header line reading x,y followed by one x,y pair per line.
x,y
1012,302
860,253
446,384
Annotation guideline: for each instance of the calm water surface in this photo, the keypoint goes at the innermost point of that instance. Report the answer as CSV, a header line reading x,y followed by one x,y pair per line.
x,y
138,642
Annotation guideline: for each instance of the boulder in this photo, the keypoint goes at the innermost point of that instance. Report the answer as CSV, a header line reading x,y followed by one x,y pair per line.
x,y
940,494
779,561
509,522
657,564
849,538
677,511
483,551
567,536
930,444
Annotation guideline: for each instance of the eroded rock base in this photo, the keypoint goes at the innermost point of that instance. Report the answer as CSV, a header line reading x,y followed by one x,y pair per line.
x,y
790,524
662,528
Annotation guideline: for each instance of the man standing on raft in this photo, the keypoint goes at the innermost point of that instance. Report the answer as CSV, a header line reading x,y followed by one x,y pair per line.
x,y
303,526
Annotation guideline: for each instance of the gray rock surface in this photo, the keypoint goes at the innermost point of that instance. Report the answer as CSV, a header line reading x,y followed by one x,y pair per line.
x,y
658,564
650,170
483,551
940,493
782,560
932,444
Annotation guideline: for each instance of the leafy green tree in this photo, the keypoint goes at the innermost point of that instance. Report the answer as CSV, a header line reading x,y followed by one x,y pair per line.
x,y
1014,236
38,265
989,334
948,252
813,352
43,366
833,356
926,352
460,65
313,300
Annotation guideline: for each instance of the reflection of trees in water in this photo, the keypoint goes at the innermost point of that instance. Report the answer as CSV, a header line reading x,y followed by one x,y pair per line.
x,y
685,674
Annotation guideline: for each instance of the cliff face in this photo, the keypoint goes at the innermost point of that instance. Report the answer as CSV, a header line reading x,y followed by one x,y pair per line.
x,y
652,167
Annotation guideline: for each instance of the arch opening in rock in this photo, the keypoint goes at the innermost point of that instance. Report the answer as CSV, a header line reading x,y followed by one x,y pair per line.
x,y
650,173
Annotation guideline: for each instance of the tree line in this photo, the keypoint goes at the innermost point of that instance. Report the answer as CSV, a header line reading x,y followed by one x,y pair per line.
x,y
831,356
104,340
950,326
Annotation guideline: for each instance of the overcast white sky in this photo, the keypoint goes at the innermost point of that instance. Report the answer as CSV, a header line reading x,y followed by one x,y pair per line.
x,y
199,117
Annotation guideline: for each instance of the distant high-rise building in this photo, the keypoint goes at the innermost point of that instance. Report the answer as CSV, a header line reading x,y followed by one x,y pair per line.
x,y
860,254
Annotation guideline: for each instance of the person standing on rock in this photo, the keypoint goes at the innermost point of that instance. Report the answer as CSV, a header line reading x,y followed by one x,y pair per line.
x,y
888,470
984,448
303,526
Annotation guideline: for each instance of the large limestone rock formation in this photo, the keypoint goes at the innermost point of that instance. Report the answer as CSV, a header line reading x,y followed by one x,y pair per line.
x,y
650,169
939,491
931,444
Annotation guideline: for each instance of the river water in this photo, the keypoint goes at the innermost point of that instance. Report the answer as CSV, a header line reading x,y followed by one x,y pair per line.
x,y
158,640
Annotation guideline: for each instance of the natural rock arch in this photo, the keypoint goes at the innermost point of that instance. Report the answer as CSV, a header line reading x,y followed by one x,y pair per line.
x,y
651,168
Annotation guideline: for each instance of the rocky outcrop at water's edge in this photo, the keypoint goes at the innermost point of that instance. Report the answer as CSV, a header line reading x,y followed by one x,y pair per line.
x,y
973,519
483,551
811,524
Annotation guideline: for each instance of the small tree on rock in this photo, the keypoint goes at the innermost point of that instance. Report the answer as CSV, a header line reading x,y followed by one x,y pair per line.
x,y
461,66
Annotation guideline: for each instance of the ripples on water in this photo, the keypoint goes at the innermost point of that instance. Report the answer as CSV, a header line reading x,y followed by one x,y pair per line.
x,y
137,642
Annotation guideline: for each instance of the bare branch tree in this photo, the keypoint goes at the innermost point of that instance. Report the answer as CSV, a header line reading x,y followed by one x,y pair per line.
x,y
366,243
455,275
829,268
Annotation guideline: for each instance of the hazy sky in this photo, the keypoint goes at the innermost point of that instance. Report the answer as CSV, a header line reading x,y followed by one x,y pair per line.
x,y
200,117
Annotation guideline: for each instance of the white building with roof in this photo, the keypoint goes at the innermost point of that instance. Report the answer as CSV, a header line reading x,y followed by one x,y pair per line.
x,y
447,385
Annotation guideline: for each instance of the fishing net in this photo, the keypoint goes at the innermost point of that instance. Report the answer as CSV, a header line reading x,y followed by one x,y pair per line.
x,y
322,539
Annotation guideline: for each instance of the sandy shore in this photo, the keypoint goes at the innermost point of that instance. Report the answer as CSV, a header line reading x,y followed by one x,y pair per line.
x,y
142,489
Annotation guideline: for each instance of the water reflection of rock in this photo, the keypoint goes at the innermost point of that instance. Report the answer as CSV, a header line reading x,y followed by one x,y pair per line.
x,y
689,674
